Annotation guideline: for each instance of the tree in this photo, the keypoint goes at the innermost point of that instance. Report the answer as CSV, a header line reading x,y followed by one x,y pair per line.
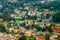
x,y
32,17
47,37
48,15
32,37
8,24
23,37
56,17
58,38
5,16
37,27
2,28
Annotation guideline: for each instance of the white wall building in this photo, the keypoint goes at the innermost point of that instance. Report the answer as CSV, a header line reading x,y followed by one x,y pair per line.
x,y
12,0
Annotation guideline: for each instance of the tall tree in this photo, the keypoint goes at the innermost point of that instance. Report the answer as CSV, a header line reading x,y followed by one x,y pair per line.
x,y
2,28
56,17
5,16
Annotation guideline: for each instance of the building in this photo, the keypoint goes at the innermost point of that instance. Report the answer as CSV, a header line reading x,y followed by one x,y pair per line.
x,y
12,0
40,37
30,22
56,29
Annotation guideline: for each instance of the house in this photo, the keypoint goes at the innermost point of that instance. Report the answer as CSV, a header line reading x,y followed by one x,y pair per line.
x,y
1,6
16,11
26,7
12,1
1,20
56,29
30,22
12,15
40,37
42,2
31,13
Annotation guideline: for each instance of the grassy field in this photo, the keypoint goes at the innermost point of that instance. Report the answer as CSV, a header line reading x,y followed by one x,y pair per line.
x,y
19,20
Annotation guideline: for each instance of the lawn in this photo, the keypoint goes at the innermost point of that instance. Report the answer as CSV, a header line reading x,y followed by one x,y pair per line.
x,y
19,20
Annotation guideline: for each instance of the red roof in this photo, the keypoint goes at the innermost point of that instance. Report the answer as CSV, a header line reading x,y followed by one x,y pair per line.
x,y
57,29
40,37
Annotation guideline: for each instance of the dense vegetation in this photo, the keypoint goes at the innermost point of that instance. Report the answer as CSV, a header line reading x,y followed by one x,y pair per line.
x,y
56,17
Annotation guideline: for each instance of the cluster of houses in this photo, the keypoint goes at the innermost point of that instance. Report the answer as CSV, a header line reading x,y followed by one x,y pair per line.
x,y
28,22
40,20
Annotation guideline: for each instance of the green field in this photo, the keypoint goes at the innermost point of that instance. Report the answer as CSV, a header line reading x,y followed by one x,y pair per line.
x,y
19,20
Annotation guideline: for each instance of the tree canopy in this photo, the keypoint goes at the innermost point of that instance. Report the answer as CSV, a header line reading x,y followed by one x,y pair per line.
x,y
56,17
2,28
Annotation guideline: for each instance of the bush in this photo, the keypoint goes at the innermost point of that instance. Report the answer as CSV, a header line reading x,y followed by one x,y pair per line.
x,y
8,25
56,17
2,28
47,37
22,38
58,38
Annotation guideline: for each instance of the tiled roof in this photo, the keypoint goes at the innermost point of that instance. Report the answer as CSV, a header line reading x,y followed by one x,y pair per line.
x,y
40,37
57,29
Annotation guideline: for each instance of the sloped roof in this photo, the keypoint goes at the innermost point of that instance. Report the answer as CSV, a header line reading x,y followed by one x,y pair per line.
x,y
57,29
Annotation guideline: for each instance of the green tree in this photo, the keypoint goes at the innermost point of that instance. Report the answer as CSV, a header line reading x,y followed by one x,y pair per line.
x,y
58,38
56,17
23,37
8,24
48,15
47,37
5,16
2,28
32,37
